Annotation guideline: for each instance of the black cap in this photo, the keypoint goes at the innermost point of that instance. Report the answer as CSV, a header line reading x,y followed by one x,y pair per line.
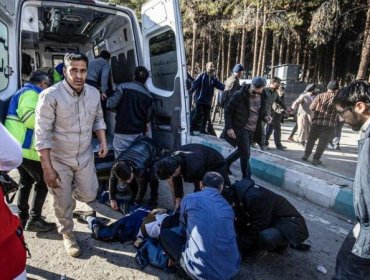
x,y
333,85
310,87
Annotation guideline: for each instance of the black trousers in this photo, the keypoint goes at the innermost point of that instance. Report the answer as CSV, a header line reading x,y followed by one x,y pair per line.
x,y
30,172
324,134
243,141
271,239
350,266
276,128
201,115
139,184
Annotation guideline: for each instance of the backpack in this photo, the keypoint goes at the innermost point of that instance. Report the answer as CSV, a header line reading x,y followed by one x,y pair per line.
x,y
224,97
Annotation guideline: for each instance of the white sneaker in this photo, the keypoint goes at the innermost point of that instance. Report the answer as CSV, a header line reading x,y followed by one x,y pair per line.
x,y
71,245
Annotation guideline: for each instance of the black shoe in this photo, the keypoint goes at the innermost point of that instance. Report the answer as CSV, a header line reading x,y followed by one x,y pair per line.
x,y
39,225
338,148
23,222
81,216
301,247
305,158
281,148
316,162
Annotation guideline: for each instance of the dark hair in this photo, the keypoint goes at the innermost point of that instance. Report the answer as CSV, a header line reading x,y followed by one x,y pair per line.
x,y
105,54
213,179
74,56
141,74
122,170
38,76
357,91
275,80
166,167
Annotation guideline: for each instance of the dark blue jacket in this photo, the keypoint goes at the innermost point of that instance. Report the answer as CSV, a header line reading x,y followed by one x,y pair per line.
x,y
204,86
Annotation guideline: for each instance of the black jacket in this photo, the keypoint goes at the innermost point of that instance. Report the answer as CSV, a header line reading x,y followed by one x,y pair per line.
x,y
259,208
141,155
238,108
195,161
134,105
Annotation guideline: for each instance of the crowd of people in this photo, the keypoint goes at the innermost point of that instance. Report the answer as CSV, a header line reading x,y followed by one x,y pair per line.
x,y
52,127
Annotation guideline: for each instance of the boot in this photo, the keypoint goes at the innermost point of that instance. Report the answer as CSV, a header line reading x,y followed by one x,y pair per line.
x,y
71,245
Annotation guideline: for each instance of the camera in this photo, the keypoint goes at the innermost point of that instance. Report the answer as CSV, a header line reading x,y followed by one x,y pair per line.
x,y
7,183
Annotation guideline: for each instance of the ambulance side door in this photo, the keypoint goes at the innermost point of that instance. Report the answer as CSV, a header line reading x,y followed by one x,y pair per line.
x,y
8,54
164,56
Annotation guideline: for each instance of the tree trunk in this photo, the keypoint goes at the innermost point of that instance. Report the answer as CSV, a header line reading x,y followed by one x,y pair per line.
x,y
210,49
193,48
317,64
237,58
273,51
255,49
262,47
203,52
365,53
281,50
297,51
309,63
287,56
333,60
304,65
223,57
229,54
218,68
242,48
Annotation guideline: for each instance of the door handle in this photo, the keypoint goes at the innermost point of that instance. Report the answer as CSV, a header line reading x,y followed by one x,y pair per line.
x,y
8,71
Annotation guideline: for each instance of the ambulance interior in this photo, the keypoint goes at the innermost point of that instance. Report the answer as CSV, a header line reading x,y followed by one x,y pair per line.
x,y
48,32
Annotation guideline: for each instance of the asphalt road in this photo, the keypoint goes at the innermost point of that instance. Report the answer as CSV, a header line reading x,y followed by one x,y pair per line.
x,y
113,260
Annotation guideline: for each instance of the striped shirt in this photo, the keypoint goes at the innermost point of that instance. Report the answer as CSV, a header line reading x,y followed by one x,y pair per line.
x,y
324,111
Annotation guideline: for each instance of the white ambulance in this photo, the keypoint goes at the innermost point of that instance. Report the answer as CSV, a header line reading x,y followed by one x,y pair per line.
x,y
35,35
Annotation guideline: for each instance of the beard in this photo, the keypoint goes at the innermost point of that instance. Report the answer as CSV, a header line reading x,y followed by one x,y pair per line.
x,y
357,121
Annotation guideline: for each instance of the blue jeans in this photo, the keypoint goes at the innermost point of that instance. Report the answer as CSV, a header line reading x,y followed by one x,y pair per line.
x,y
350,266
271,239
124,229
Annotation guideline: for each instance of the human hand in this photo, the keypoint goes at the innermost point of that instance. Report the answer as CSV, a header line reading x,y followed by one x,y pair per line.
x,y
231,133
103,150
52,178
113,204
103,96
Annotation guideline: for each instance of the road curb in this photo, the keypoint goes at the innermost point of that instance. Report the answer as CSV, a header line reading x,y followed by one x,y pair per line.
x,y
319,191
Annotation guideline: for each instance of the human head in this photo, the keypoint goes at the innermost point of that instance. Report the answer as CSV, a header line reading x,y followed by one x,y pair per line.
x,y
213,180
40,79
238,70
123,171
257,85
353,104
333,86
310,87
281,90
75,70
210,68
167,168
275,82
105,54
141,74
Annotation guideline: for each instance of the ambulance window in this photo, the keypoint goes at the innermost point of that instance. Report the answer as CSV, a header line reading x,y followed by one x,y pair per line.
x,y
4,56
163,60
57,59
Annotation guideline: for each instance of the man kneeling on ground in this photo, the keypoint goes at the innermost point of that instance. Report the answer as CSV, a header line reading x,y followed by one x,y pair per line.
x,y
134,166
205,244
266,220
189,163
